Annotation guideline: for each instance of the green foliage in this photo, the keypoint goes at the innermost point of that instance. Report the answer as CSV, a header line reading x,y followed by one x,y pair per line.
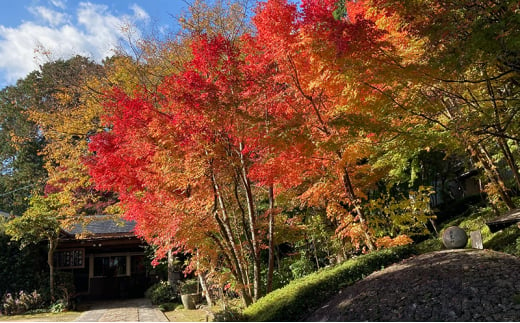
x,y
302,267
21,166
58,307
189,286
20,269
430,245
289,269
161,293
301,296
170,306
229,314
39,223
404,215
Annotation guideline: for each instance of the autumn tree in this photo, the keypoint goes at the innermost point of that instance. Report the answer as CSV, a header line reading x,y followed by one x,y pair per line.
x,y
181,158
324,61
66,118
463,80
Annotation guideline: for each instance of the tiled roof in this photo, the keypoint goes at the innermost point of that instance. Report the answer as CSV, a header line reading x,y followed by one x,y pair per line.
x,y
102,225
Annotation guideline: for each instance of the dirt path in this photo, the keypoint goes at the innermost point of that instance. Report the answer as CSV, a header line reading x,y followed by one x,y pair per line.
x,y
452,285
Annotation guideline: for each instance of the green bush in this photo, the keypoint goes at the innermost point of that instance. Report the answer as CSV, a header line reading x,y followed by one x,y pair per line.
x,y
58,307
21,268
294,301
161,293
189,286
167,307
229,314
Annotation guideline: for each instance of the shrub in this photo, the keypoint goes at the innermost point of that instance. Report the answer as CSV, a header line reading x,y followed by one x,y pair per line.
x,y
23,302
167,307
189,286
302,267
294,301
229,314
58,307
161,293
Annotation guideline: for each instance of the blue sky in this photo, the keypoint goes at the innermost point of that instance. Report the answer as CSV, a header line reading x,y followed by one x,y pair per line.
x,y
33,32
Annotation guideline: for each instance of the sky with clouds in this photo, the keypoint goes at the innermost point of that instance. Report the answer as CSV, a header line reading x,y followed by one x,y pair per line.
x,y
33,32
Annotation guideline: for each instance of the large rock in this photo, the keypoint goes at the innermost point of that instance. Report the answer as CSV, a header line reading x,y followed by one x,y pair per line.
x,y
454,238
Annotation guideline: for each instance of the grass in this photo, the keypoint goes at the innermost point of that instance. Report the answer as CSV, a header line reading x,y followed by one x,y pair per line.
x,y
179,314
183,315
42,317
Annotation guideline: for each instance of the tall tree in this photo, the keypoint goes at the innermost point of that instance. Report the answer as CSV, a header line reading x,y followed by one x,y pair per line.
x,y
180,159
21,168
67,118
40,223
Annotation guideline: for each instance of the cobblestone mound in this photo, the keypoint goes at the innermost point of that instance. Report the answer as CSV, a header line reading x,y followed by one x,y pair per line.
x,y
450,285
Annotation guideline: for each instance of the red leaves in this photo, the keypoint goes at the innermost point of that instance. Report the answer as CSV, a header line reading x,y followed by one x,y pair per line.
x,y
275,108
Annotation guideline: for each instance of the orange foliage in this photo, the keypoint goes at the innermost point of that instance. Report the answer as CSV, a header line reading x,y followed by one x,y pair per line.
x,y
388,242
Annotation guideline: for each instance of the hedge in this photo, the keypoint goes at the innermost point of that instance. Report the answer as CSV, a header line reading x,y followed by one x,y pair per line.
x,y
296,300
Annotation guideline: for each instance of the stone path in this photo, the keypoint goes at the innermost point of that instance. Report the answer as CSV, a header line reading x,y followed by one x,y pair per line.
x,y
131,310
451,285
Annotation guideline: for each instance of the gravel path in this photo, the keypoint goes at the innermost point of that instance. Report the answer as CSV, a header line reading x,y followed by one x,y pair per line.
x,y
450,285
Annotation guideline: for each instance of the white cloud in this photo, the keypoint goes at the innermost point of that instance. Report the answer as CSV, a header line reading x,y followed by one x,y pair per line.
x,y
49,16
59,3
139,13
91,31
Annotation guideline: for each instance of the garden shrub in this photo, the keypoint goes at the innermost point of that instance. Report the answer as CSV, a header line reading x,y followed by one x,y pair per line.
x,y
21,268
302,267
167,307
161,293
21,302
58,307
300,297
189,286
229,314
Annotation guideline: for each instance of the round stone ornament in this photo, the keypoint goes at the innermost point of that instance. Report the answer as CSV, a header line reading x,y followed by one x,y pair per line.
x,y
454,238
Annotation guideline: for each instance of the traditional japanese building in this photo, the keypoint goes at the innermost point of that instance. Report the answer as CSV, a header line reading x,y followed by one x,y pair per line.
x,y
105,258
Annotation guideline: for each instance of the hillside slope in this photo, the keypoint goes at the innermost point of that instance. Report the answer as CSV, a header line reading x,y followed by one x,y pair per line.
x,y
449,285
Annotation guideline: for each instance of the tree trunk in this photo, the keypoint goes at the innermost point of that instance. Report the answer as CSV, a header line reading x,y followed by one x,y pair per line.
x,y
172,275
508,155
270,267
53,243
244,293
252,225
481,155
353,198
229,240
204,286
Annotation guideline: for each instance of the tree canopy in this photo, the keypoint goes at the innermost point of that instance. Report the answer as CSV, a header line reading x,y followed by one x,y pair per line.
x,y
288,124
